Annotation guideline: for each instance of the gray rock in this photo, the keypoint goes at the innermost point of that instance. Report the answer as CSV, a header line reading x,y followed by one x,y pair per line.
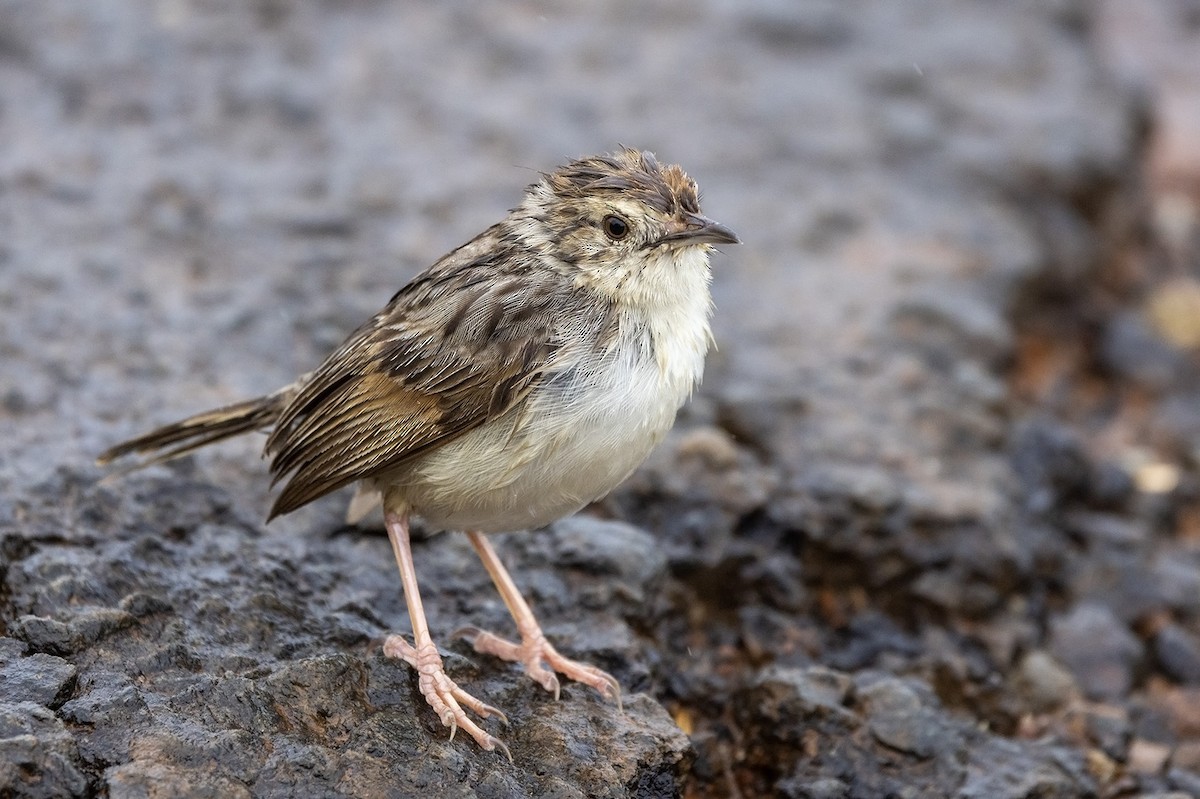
x,y
898,717
1043,682
1006,770
954,322
1132,350
198,203
37,755
40,678
759,421
1051,463
1185,781
827,788
1112,731
1178,581
49,635
114,711
804,692
1178,654
1098,649
10,649
613,549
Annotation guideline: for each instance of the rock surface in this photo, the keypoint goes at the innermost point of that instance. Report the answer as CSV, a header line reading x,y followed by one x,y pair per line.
x,y
930,528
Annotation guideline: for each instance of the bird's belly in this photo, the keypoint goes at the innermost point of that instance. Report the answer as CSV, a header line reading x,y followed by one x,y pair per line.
x,y
567,447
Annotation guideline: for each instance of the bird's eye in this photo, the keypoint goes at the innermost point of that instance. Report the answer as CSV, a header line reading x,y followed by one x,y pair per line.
x,y
615,227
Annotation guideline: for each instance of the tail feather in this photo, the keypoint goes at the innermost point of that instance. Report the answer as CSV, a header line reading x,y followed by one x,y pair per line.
x,y
197,431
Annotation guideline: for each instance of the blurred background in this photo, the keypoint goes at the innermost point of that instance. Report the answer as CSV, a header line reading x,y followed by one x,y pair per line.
x,y
932,523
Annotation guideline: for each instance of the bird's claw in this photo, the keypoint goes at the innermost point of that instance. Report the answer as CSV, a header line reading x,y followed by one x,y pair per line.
x,y
443,694
535,653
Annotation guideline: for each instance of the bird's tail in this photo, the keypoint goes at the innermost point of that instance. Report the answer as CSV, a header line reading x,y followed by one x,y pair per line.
x,y
200,430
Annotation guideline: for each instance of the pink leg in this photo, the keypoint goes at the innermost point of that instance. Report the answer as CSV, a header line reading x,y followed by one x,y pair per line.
x,y
534,651
442,694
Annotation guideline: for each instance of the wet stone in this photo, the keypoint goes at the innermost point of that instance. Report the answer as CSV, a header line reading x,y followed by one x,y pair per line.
x,y
113,709
816,688
956,323
1186,756
1109,727
1148,757
782,700
1051,463
1178,581
872,637
1130,348
758,421
10,649
899,717
1098,649
48,635
38,759
828,788
610,548
41,678
323,698
66,638
1178,654
1184,780
870,488
1043,682
1105,529
1005,769
242,190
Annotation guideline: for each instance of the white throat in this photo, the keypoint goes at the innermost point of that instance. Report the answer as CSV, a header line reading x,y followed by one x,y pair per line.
x,y
675,287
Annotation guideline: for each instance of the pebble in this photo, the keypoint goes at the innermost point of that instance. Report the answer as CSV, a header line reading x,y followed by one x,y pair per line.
x,y
43,751
1043,682
1148,757
827,788
1178,654
41,678
898,717
1098,648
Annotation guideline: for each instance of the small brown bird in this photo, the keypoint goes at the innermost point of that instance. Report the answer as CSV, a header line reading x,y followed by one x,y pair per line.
x,y
522,376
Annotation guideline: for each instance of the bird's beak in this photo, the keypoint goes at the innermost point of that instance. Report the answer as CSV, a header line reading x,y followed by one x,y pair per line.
x,y
698,229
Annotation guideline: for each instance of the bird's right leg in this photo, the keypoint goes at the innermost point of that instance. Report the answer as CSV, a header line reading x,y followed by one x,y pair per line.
x,y
442,694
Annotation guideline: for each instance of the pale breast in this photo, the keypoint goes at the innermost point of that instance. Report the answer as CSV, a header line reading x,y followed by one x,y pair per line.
x,y
576,438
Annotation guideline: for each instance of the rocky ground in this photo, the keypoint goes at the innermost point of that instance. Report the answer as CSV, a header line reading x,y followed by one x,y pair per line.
x,y
930,528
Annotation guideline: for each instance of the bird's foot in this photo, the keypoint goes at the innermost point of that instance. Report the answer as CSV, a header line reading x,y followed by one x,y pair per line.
x,y
535,653
444,695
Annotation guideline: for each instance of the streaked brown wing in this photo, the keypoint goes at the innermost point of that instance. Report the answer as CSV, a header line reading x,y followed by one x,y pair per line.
x,y
459,345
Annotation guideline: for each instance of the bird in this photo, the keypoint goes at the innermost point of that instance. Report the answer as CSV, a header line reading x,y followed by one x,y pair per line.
x,y
519,378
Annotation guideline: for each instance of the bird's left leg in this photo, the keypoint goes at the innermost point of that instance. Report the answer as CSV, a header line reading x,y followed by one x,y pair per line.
x,y
534,651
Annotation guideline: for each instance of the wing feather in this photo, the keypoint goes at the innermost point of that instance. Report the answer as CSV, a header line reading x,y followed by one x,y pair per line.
x,y
461,344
